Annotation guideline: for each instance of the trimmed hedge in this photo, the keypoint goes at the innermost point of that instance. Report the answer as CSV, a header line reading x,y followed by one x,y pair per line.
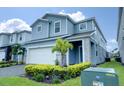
x,y
7,64
52,70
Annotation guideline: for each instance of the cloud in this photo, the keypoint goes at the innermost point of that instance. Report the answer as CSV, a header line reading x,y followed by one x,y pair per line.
x,y
111,44
12,25
77,16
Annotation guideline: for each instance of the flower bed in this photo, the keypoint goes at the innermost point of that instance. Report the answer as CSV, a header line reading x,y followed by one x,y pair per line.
x,y
9,63
54,74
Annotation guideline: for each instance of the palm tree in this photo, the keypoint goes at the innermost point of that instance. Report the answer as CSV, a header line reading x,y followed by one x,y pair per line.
x,y
17,50
62,47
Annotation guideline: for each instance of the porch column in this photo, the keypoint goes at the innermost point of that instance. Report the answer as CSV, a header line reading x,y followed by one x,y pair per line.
x,y
86,47
67,58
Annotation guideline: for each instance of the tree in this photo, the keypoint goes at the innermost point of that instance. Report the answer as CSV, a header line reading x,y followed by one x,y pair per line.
x,y
17,50
62,47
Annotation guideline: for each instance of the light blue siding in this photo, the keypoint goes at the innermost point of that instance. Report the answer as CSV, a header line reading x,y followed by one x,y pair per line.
x,y
70,27
40,34
52,20
89,25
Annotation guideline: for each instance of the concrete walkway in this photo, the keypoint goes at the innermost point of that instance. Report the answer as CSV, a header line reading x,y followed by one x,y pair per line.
x,y
17,70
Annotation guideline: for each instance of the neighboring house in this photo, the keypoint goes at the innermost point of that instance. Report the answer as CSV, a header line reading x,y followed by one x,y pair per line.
x,y
88,40
120,33
9,39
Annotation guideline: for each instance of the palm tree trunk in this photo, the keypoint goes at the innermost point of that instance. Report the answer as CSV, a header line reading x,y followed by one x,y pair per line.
x,y
63,61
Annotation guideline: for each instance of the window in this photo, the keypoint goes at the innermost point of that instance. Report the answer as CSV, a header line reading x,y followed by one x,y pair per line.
x,y
20,37
57,26
39,28
82,26
11,38
123,38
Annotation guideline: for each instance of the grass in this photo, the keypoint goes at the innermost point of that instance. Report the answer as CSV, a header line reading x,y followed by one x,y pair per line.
x,y
118,68
20,81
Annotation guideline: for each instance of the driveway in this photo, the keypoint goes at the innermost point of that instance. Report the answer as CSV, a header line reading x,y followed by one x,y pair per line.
x,y
17,70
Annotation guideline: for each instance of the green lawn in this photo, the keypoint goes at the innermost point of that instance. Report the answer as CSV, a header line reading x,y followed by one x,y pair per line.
x,y
119,69
19,81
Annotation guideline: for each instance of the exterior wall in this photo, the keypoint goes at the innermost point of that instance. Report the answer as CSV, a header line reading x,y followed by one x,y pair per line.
x,y
14,38
89,27
44,33
87,49
25,37
2,54
70,27
4,40
63,24
121,36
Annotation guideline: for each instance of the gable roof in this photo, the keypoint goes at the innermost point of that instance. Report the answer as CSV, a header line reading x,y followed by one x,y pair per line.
x,y
61,15
40,19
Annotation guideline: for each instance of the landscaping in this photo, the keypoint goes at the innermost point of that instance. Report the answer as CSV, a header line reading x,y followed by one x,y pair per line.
x,y
54,74
9,63
22,81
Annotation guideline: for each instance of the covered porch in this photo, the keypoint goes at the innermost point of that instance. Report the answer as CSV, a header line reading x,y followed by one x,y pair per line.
x,y
84,50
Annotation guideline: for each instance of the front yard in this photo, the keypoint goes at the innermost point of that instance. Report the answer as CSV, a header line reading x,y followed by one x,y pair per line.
x,y
20,81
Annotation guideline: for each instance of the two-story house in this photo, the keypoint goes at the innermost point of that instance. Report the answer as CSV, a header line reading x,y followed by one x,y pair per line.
x,y
86,36
120,33
9,39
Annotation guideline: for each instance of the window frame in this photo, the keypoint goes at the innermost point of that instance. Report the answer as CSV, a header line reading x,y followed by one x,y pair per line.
x,y
11,39
38,27
20,37
54,26
80,26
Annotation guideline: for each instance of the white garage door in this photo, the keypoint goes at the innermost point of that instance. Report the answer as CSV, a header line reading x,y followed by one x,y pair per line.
x,y
40,56
2,55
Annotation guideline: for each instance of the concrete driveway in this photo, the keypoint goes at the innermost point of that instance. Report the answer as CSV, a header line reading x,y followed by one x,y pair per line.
x,y
17,70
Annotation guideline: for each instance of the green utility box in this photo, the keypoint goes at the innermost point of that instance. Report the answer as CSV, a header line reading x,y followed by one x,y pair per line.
x,y
95,76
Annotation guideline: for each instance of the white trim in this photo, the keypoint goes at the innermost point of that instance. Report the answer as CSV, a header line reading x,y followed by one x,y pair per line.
x,y
33,47
54,26
41,46
66,26
82,23
93,27
67,57
79,53
83,51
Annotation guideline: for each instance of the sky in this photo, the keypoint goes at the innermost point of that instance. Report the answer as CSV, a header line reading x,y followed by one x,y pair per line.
x,y
21,18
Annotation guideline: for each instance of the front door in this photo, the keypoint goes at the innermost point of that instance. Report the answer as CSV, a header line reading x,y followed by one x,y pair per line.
x,y
80,54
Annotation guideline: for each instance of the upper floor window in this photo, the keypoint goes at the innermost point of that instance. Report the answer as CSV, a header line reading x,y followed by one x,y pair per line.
x,y
11,38
39,28
57,25
20,38
82,26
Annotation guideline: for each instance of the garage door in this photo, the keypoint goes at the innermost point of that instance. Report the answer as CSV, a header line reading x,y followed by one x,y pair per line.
x,y
2,55
41,56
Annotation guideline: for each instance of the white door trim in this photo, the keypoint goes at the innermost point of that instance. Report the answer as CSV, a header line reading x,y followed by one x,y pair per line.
x,y
79,53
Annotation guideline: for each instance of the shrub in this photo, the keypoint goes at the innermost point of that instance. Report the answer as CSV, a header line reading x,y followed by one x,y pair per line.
x,y
13,64
57,62
56,81
59,71
39,69
75,70
2,62
20,62
39,77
